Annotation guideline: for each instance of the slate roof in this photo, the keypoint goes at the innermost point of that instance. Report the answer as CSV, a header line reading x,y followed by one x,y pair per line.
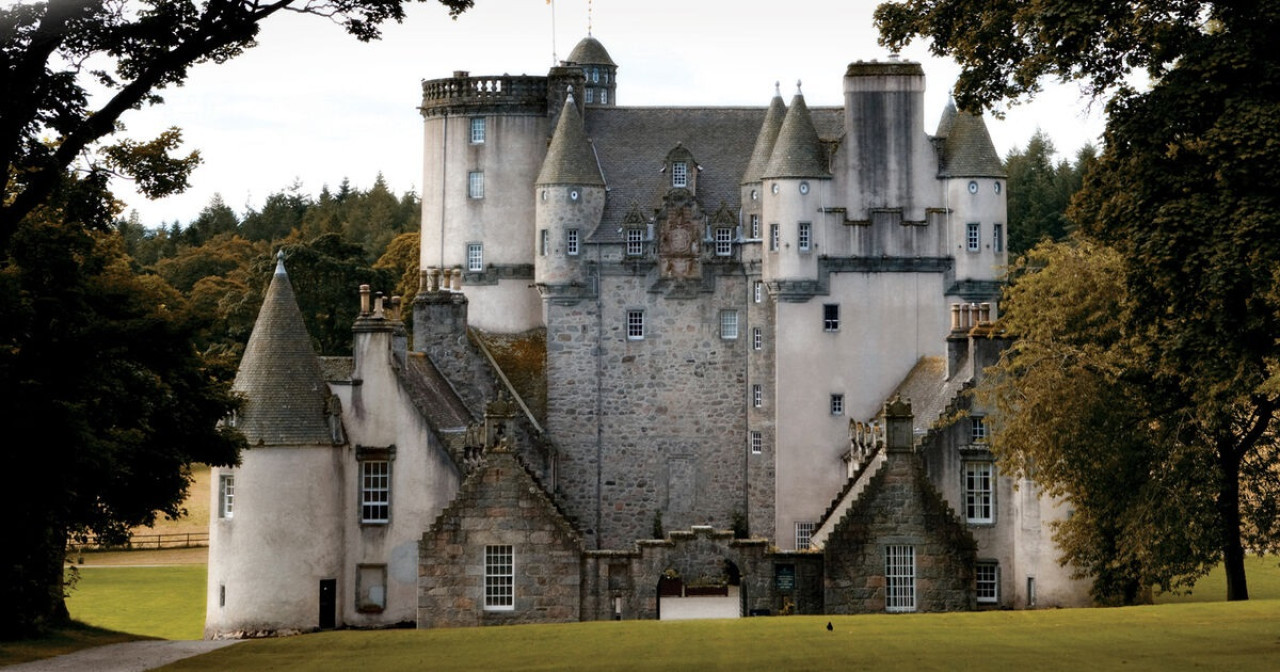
x,y
590,52
967,150
280,376
569,158
633,142
765,140
929,391
798,152
434,397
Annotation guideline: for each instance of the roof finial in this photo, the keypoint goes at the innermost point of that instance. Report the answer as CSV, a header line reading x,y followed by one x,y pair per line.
x,y
280,262
777,88
588,18
798,91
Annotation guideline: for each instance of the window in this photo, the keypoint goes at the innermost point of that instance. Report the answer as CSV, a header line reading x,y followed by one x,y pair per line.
x,y
755,225
477,130
591,95
604,96
635,242
804,532
724,241
595,75
757,339
728,324
831,317
899,578
977,429
571,242
475,257
805,241
226,496
371,588
773,237
499,578
375,491
475,184
757,443
758,292
635,324
757,396
978,494
679,174
544,241
988,582
973,236
837,404
997,236
1031,591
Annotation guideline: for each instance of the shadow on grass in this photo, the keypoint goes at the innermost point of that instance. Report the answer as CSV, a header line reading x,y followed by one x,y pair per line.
x,y
69,639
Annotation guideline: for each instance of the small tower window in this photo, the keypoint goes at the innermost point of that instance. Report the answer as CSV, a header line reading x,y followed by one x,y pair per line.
x,y
805,240
773,238
477,130
604,96
973,236
571,242
590,95
755,223
544,241
679,174
758,292
997,236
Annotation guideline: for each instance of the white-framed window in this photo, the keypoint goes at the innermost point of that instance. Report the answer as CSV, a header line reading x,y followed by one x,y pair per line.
x,y
375,491
728,324
978,492
805,240
831,317
591,95
755,226
977,429
804,533
226,496
973,236
544,241
475,257
837,404
757,443
475,184
757,291
499,578
997,236
987,576
571,242
757,338
477,130
774,238
724,241
635,325
757,395
604,96
635,242
679,174
899,578
371,588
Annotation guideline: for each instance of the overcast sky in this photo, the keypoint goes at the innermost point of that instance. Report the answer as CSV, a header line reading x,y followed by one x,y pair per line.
x,y
311,104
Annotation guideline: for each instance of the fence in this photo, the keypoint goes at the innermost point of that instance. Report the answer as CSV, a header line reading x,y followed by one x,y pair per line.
x,y
147,541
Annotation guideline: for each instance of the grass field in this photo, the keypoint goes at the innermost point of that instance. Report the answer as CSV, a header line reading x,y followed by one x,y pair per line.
x,y
165,601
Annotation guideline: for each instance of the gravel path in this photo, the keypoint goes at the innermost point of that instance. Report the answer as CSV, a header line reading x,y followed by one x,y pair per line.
x,y
124,657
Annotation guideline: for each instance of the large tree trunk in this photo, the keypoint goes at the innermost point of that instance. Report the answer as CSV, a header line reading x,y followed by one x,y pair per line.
x,y
31,597
1229,511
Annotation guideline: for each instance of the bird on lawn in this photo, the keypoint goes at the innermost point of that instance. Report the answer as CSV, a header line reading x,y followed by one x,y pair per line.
x,y
829,628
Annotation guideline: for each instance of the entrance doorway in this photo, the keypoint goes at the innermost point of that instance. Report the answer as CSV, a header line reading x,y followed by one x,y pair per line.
x,y
328,604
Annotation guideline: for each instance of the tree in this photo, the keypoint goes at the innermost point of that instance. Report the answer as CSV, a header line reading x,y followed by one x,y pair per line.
x,y
1183,191
1040,191
112,403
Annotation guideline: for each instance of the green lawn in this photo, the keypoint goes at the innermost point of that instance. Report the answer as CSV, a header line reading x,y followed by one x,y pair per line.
x,y
164,602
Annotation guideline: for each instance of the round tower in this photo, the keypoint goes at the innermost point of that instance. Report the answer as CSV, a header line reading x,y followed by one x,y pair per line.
x,y
484,138
599,72
974,180
276,530
752,188
570,197
795,184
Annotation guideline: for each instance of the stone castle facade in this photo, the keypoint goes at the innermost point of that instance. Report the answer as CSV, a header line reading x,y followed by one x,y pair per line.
x,y
655,351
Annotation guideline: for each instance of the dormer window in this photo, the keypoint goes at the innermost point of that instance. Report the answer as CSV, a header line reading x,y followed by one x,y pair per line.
x,y
680,174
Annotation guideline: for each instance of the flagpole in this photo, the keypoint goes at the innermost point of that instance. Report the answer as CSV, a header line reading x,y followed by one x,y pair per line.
x,y
555,60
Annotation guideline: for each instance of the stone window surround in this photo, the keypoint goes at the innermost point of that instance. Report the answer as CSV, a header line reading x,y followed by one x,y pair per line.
x,y
979,492
369,601
365,456
679,174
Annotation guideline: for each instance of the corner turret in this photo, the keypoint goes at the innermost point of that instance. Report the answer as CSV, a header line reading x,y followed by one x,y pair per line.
x,y
796,183
599,72
973,177
569,203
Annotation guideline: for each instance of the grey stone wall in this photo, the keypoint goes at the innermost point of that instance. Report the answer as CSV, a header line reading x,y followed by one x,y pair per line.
x,y
899,506
656,424
500,503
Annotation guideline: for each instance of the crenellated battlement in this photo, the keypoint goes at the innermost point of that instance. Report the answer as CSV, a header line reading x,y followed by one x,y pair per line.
x,y
463,93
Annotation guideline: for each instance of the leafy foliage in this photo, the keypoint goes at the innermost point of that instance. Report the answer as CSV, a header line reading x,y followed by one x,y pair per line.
x,y
1040,191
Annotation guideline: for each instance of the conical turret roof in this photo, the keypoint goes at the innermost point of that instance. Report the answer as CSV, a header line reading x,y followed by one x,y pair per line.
x,y
569,158
590,52
797,153
766,140
967,150
280,377
948,119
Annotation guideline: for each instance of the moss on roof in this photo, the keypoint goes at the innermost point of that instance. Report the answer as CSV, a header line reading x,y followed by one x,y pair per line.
x,y
766,140
570,159
798,152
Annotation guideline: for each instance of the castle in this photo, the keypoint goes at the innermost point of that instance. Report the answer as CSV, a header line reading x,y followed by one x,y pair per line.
x,y
657,352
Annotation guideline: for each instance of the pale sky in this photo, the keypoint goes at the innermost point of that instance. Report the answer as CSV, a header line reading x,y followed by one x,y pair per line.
x,y
313,105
